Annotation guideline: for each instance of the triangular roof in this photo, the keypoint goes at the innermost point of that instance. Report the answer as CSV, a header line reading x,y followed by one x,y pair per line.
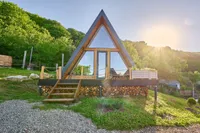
x,y
100,20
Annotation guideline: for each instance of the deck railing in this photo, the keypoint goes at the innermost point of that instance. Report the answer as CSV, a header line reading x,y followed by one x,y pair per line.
x,y
144,74
58,72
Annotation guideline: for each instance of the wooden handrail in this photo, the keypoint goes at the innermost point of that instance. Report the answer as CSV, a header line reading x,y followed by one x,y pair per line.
x,y
77,90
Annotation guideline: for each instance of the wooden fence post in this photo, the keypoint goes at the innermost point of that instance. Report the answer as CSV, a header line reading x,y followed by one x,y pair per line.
x,y
59,72
130,73
42,72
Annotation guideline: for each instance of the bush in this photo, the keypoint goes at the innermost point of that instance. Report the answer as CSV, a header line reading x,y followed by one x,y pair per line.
x,y
191,101
112,104
199,101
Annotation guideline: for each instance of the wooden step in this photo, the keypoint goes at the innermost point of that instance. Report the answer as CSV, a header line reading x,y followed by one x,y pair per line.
x,y
65,88
67,84
59,100
62,94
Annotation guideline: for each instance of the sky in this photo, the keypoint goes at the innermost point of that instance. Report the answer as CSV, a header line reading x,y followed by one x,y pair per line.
x,y
174,23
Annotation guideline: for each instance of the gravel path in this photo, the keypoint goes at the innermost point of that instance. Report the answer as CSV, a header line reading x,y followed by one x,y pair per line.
x,y
17,116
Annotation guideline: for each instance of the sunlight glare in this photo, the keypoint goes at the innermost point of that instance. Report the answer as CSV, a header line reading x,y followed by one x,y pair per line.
x,y
161,35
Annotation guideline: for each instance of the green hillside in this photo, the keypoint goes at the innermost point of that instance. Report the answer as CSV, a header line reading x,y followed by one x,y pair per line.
x,y
20,30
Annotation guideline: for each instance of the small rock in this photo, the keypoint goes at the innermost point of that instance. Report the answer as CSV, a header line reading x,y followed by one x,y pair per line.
x,y
34,76
17,78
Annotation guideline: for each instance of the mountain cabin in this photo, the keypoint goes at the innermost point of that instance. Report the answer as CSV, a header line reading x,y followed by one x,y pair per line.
x,y
100,66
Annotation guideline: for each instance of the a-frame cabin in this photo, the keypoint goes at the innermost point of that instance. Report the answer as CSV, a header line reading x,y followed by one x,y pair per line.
x,y
99,66
101,24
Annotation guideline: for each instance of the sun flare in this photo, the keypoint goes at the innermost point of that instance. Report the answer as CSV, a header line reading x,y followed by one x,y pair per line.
x,y
161,35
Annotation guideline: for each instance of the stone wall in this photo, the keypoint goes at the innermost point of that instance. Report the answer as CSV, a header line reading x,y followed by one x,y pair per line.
x,y
5,61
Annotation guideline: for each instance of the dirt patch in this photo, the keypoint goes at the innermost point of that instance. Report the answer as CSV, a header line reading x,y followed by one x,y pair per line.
x,y
166,116
109,108
193,110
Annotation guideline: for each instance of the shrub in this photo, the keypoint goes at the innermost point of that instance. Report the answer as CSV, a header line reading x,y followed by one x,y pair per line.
x,y
112,104
191,101
199,101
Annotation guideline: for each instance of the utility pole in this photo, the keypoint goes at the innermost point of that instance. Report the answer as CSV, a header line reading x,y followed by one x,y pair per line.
x,y
24,59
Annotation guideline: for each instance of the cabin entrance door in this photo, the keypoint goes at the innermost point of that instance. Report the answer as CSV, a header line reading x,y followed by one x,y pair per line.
x,y
101,64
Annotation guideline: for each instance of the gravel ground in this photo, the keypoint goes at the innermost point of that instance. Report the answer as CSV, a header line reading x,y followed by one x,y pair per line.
x,y
17,116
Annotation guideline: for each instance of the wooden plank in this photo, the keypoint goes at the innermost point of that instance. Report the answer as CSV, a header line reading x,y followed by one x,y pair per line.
x,y
67,84
82,77
62,94
53,88
78,88
65,88
42,72
102,49
59,100
108,65
130,73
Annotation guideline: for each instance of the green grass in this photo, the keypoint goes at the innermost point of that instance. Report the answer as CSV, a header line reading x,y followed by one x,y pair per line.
x,y
138,112
26,90
4,72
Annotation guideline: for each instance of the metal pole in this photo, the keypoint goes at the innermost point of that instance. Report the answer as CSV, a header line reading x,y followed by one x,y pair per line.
x,y
155,94
31,55
24,59
62,60
56,66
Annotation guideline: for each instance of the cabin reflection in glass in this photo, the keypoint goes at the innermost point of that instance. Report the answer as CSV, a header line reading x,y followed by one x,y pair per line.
x,y
85,65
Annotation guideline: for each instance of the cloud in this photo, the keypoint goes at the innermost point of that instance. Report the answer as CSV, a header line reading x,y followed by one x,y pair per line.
x,y
188,22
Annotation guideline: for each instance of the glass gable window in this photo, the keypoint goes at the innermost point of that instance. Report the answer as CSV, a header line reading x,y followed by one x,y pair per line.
x,y
87,62
117,65
102,39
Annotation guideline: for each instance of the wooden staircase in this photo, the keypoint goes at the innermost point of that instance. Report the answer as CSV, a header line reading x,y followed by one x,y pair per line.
x,y
63,92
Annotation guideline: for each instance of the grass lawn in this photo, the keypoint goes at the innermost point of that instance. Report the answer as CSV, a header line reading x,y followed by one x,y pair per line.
x,y
4,72
26,90
138,112
126,113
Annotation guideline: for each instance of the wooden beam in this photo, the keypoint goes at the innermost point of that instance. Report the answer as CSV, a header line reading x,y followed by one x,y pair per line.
x,y
42,72
82,77
95,64
91,36
102,49
130,73
108,65
117,45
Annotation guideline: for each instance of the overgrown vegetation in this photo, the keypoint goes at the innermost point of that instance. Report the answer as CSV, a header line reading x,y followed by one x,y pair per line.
x,y
4,72
191,101
136,112
26,90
